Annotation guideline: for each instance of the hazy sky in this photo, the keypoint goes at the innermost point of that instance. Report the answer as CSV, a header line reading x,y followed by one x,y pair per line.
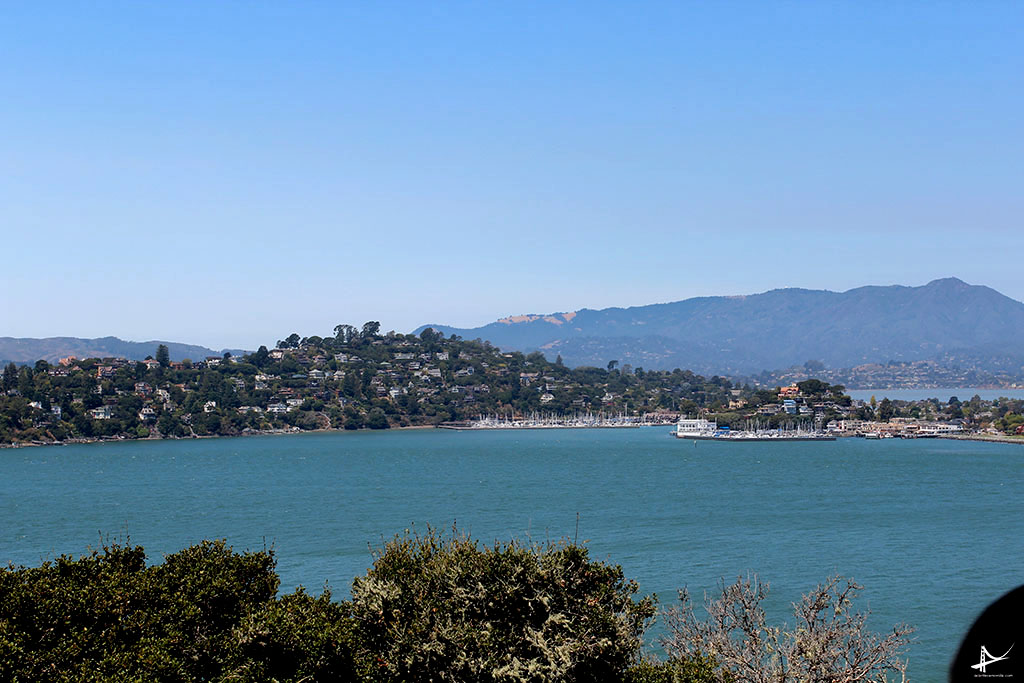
x,y
226,173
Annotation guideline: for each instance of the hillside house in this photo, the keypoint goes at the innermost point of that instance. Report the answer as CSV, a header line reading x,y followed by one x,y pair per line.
x,y
101,413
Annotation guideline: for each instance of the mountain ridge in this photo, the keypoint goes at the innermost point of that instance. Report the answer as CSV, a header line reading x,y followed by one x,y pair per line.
x,y
773,329
24,350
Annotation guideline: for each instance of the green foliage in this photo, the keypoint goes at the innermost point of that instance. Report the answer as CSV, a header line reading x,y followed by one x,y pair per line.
x,y
10,376
694,670
377,419
353,418
297,638
443,608
886,410
370,329
290,342
207,613
813,387
208,590
432,608
73,620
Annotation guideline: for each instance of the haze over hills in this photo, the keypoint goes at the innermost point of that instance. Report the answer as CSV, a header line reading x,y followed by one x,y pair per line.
x,y
776,329
51,349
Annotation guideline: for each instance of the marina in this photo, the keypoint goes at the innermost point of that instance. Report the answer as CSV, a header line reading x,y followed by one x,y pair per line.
x,y
587,420
700,429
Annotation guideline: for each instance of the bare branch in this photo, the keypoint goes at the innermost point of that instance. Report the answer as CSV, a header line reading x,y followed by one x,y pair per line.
x,y
828,644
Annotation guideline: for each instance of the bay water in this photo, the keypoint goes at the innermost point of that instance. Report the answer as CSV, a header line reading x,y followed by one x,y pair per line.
x,y
932,528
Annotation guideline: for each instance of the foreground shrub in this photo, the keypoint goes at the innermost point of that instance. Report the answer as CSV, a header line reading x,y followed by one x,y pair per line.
x,y
204,592
828,643
73,620
696,670
443,608
300,638
432,608
207,613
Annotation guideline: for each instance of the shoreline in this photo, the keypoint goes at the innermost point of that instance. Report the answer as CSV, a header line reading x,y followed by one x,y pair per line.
x,y
269,432
991,438
290,432
540,427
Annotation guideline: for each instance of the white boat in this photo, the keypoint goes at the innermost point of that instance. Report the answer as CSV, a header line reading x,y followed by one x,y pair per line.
x,y
695,429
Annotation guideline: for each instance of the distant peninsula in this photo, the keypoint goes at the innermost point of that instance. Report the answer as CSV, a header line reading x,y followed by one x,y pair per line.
x,y
361,378
27,350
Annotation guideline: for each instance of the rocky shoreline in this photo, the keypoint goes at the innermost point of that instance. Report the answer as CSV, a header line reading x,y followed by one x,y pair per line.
x,y
993,438
267,432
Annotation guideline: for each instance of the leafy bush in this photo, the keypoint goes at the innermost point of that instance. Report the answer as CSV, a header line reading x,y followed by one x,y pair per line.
x,y
432,608
443,608
207,613
75,620
300,638
377,419
695,670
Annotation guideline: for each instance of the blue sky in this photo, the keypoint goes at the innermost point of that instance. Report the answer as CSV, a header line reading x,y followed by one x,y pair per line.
x,y
227,173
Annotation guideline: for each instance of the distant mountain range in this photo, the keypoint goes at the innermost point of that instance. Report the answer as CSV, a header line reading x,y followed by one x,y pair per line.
x,y
736,335
52,349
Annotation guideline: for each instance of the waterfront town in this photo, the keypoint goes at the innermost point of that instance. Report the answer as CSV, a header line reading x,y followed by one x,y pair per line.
x,y
919,374
360,378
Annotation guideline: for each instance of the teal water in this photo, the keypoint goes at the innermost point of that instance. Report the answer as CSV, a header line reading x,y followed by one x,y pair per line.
x,y
932,528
